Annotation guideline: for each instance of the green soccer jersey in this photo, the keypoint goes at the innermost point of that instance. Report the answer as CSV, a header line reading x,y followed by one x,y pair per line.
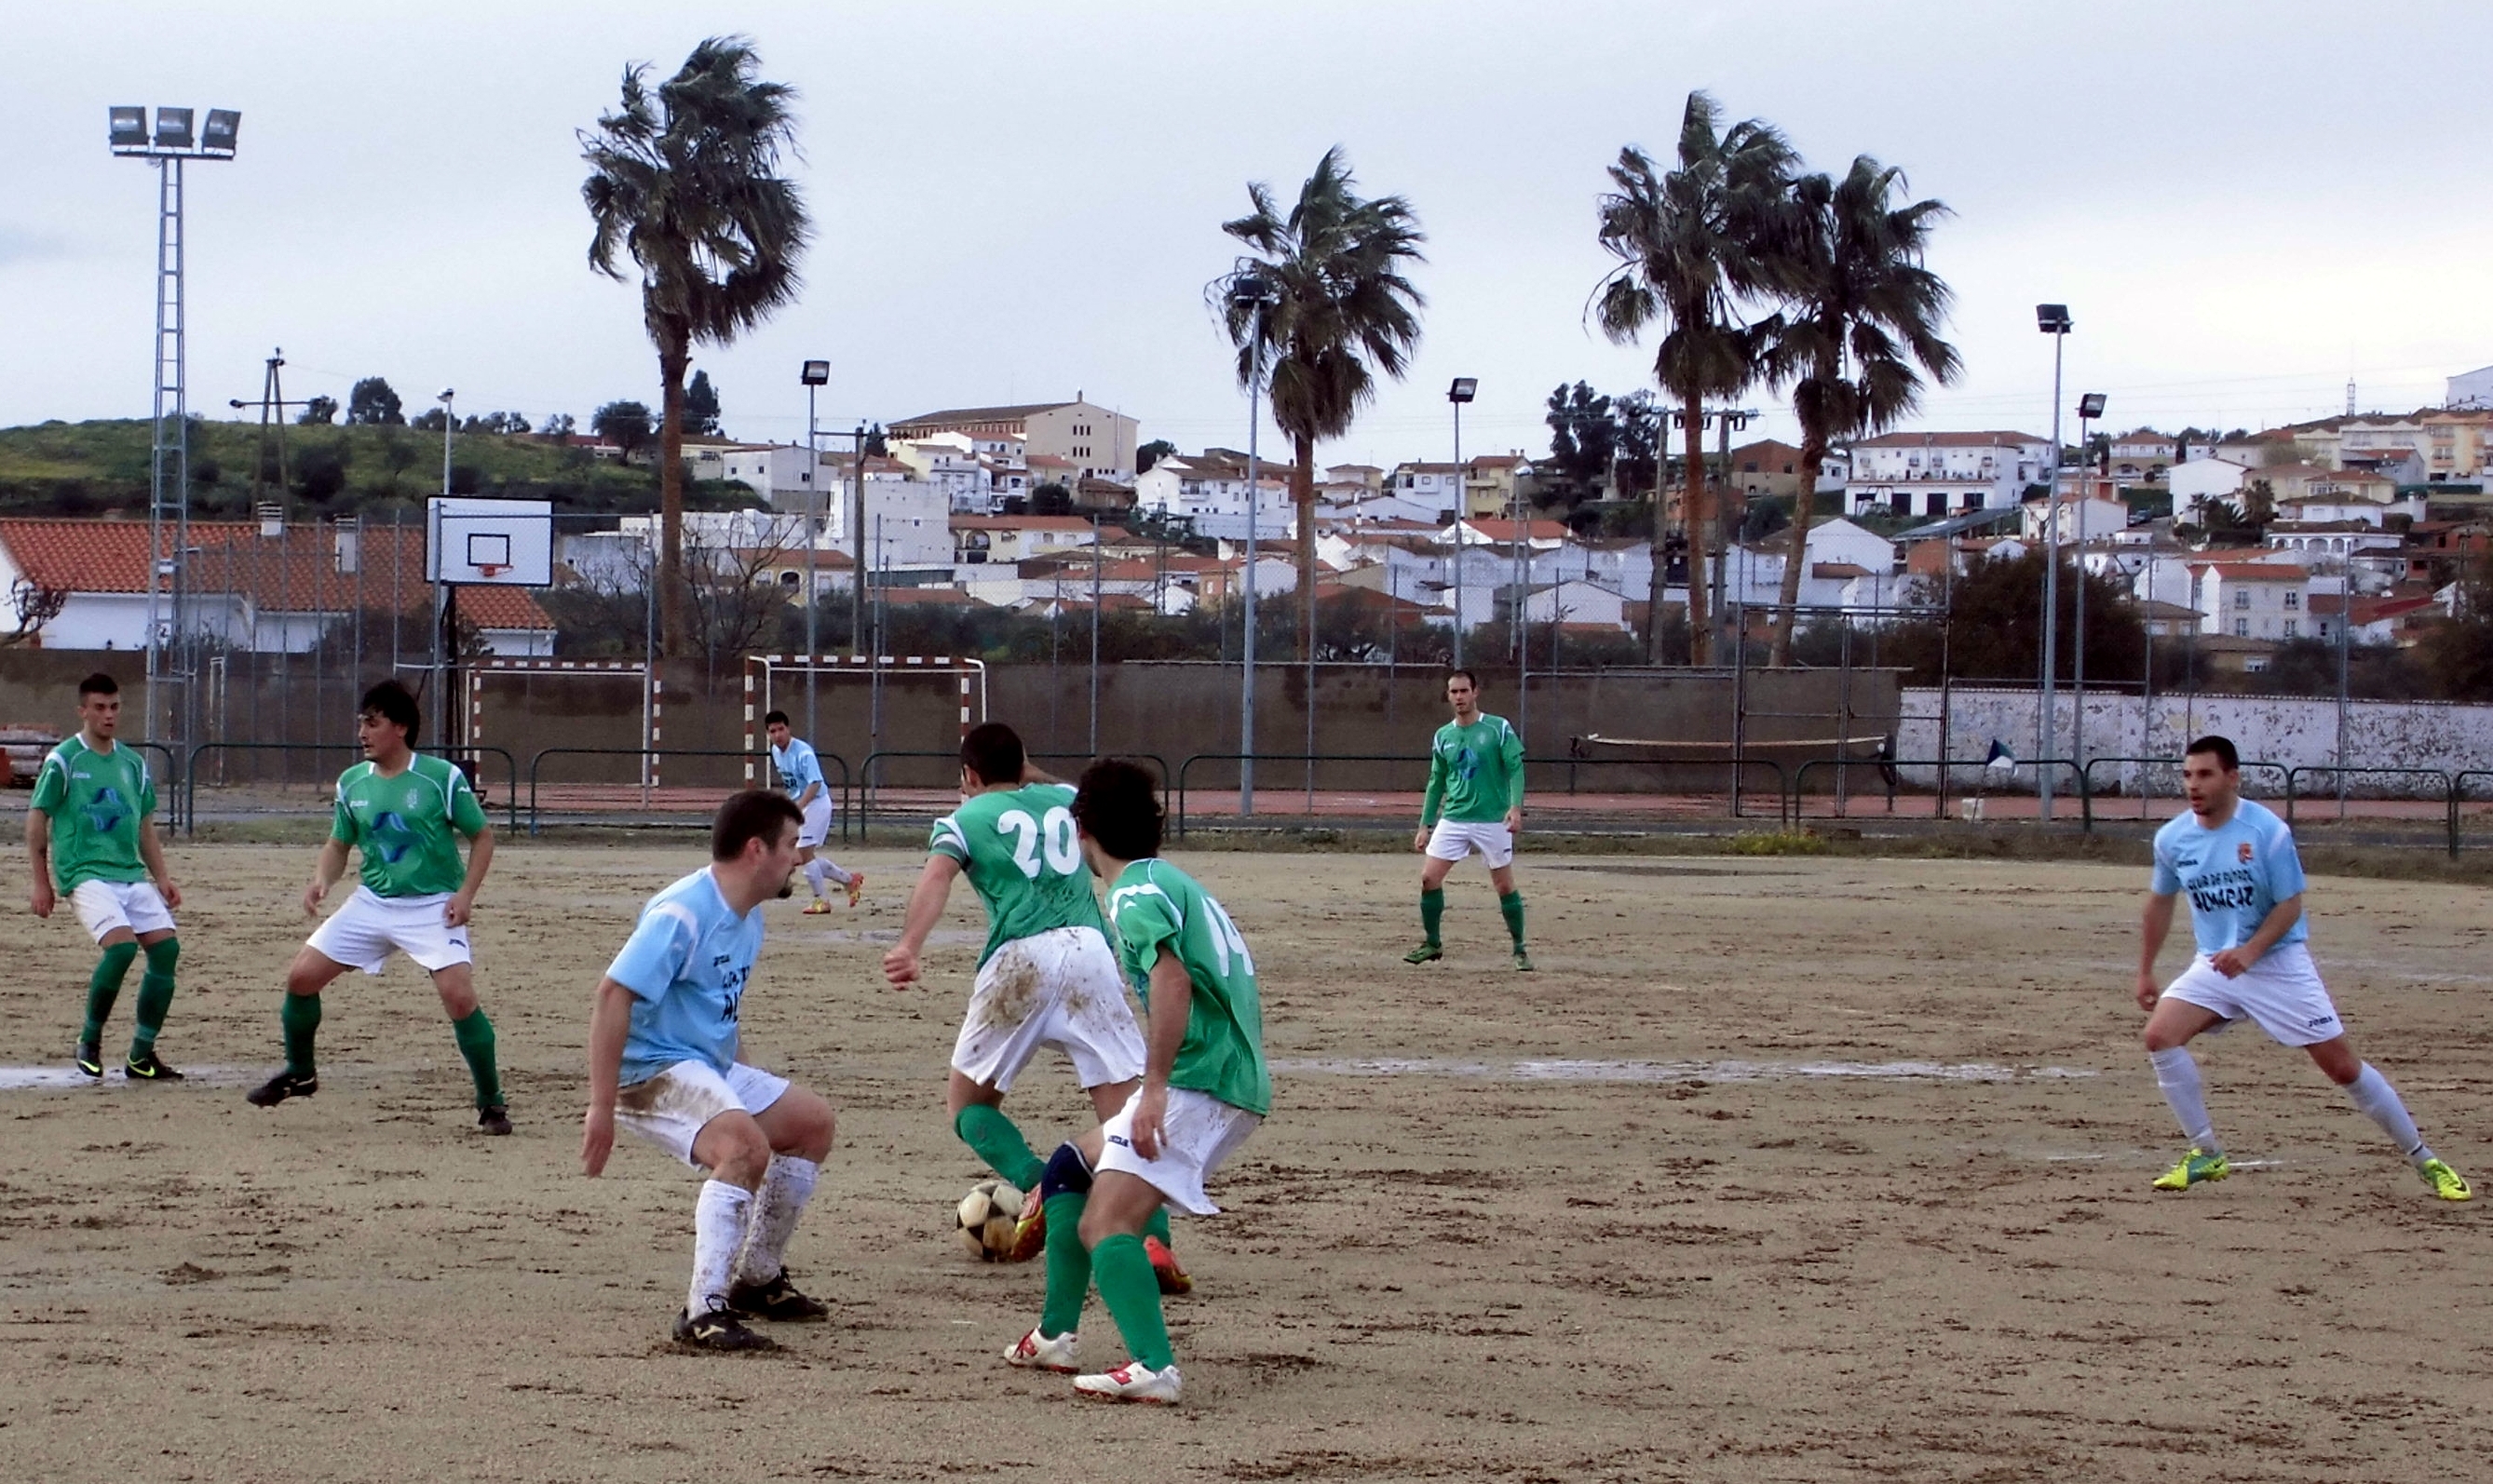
x,y
97,801
1023,857
404,824
1475,772
1152,903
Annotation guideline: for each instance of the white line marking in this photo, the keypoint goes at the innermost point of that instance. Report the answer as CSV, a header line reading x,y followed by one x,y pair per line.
x,y
1587,1071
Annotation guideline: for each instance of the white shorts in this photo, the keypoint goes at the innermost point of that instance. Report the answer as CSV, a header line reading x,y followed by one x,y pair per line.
x,y
102,906
1059,988
670,1109
2282,992
817,827
365,932
1451,841
1198,1132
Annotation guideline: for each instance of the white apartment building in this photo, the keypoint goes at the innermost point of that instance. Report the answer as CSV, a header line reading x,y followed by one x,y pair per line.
x,y
2142,456
1936,473
2252,600
1439,486
2470,388
1210,490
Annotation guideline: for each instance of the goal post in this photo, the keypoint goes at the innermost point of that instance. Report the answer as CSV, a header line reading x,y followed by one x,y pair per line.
x,y
763,671
475,672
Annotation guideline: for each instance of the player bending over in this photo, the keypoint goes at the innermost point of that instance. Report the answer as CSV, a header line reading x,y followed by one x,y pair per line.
x,y
91,835
406,812
1476,773
2237,861
801,773
1047,976
665,1030
1205,1088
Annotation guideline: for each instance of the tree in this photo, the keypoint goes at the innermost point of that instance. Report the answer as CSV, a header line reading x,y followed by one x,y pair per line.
x,y
1859,326
1051,499
319,410
684,181
877,446
321,474
558,425
32,605
2457,656
623,423
1584,436
1993,627
372,402
1332,271
1640,452
1151,454
700,404
430,420
1693,245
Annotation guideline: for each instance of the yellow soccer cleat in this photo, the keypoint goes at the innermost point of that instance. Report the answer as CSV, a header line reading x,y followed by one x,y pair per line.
x,y
2195,1167
2446,1182
817,907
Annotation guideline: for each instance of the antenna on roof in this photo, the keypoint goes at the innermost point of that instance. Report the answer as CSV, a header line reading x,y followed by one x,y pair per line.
x,y
2349,397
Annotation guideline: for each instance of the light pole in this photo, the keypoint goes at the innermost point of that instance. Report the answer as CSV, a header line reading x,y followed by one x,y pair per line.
x,y
168,454
1260,293
857,540
446,598
813,374
2090,406
2053,319
1463,390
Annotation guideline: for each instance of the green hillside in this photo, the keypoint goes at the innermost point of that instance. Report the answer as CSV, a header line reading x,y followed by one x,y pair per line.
x,y
93,468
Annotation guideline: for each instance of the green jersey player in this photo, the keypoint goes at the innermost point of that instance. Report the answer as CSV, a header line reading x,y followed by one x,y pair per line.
x,y
1474,803
90,834
1205,1089
405,812
1046,977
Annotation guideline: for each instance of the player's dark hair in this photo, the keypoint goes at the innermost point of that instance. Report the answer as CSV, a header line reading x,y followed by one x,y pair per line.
x,y
993,751
756,813
98,684
1119,806
391,701
776,719
2220,748
1453,675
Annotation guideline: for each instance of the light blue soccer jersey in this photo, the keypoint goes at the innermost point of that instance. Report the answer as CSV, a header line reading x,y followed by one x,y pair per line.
x,y
685,964
2235,874
798,767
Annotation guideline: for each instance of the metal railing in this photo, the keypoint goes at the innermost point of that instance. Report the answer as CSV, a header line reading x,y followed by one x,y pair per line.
x,y
760,761
1890,769
2355,770
2088,789
465,756
869,772
1545,766
2458,799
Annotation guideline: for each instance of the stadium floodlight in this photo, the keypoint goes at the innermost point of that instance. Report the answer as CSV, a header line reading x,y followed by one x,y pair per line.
x,y
1464,389
815,374
174,129
2054,318
129,127
2090,406
218,136
2053,321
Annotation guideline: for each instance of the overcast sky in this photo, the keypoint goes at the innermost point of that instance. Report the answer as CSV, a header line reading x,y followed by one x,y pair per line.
x,y
2243,204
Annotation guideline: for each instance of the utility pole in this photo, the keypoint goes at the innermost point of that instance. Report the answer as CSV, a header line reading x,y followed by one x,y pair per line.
x,y
272,405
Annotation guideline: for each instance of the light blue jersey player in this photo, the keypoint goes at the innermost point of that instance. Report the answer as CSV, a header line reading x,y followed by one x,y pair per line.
x,y
800,774
665,1063
2237,861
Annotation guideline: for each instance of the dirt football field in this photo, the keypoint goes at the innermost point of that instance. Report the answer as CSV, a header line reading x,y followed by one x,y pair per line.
x,y
1780,1169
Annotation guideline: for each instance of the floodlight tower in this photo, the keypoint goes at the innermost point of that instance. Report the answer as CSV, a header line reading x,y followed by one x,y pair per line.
x,y
166,147
2053,321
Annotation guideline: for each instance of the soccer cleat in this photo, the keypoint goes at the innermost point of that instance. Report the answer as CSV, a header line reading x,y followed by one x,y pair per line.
x,y
856,887
776,1300
1173,1278
1029,1231
1522,961
1132,1382
2446,1182
494,1118
90,1060
2195,1167
145,1068
1036,1351
1425,953
817,907
719,1330
277,1089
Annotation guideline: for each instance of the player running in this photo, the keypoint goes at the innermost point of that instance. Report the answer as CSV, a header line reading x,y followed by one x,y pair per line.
x,y
665,1063
406,812
90,834
1476,773
1047,976
2237,860
1205,1088
801,773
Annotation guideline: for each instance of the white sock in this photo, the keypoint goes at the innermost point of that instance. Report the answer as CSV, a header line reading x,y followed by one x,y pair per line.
x,y
814,876
718,1231
2372,1094
831,869
784,1190
2177,1072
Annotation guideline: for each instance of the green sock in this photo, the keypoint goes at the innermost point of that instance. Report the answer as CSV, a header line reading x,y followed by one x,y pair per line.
x,y
1068,1266
301,1017
1158,1226
995,1139
1132,1295
1432,912
475,1035
1512,905
104,987
155,994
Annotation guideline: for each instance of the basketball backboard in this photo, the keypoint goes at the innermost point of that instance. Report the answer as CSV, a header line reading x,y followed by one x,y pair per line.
x,y
502,543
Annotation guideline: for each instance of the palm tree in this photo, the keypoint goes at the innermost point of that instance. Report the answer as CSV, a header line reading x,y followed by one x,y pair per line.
x,y
1860,314
1317,298
684,179
1694,246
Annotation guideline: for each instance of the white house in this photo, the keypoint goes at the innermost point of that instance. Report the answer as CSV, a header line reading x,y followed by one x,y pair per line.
x,y
1210,490
2081,518
2142,456
2470,388
1438,485
2199,480
1935,473
2252,600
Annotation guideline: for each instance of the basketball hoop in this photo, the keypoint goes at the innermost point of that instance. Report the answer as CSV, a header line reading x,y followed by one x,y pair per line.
x,y
489,570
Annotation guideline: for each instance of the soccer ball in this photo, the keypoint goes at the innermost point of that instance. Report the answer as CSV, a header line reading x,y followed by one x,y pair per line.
x,y
985,1220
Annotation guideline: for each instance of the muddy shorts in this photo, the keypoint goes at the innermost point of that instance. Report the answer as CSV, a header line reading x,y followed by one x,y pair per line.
x,y
1060,988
